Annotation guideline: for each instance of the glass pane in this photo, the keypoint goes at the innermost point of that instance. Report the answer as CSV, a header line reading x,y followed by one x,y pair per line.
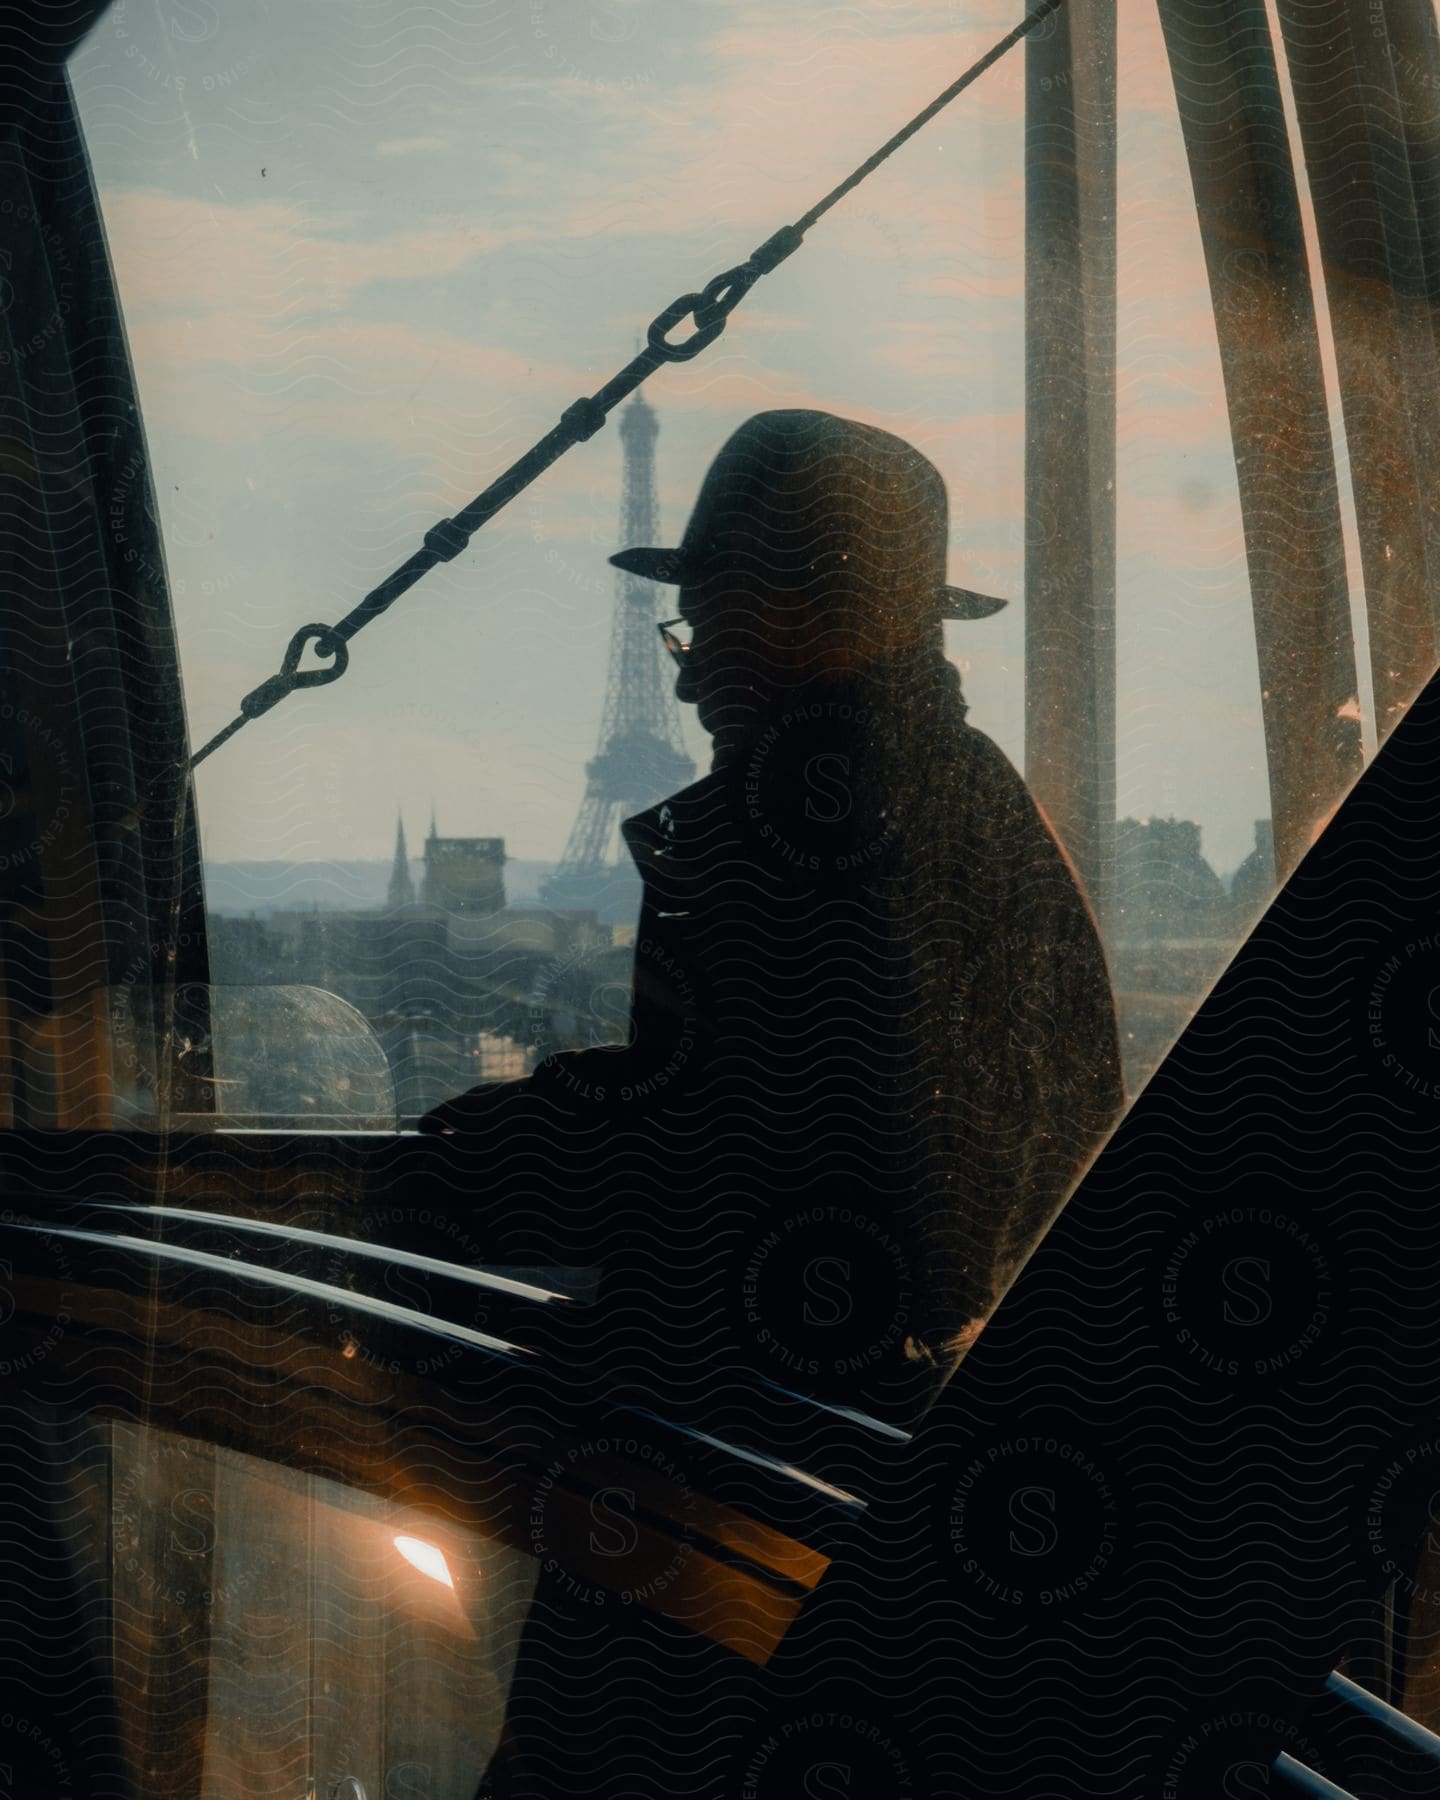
x,y
276,1058
340,339
314,1639
1195,844
354,302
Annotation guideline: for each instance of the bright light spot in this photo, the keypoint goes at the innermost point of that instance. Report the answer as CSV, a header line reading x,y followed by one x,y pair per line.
x,y
427,1558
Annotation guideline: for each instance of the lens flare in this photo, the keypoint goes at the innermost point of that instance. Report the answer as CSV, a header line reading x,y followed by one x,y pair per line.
x,y
427,1558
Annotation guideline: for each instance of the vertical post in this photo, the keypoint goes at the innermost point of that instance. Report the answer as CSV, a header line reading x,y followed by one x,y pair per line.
x,y
1381,317
1404,39
1407,35
1070,436
1247,207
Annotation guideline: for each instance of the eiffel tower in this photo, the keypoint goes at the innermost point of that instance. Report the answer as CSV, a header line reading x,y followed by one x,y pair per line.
x,y
641,757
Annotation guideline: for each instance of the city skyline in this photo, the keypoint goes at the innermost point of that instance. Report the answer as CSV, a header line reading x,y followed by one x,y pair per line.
x,y
366,883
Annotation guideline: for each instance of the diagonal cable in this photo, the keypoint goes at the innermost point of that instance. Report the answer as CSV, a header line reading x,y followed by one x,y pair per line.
x,y
711,307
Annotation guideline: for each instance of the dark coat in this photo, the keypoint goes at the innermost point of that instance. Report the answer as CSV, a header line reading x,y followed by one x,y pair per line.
x,y
857,1108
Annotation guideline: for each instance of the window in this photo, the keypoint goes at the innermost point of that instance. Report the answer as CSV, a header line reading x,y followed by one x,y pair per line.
x,y
366,257
353,301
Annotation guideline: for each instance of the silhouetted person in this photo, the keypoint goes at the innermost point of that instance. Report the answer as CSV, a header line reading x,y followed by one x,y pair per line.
x,y
871,1015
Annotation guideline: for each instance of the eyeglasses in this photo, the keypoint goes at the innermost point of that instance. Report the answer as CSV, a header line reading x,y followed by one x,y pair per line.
x,y
677,646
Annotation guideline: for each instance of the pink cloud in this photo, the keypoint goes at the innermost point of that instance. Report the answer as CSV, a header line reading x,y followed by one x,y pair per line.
x,y
182,255
258,297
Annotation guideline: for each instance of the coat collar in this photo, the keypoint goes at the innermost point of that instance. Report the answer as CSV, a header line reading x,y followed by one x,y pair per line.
x,y
679,825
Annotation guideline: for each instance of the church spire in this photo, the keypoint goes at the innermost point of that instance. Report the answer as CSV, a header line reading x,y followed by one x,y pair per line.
x,y
402,888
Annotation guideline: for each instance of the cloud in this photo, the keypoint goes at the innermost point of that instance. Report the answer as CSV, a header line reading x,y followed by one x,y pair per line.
x,y
175,254
274,303
434,143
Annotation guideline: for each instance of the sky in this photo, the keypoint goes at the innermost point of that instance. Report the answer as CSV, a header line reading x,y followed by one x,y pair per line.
x,y
368,251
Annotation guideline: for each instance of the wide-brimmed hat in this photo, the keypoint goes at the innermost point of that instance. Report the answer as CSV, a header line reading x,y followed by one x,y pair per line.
x,y
794,494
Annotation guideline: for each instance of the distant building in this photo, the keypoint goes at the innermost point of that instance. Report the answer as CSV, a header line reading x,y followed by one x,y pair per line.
x,y
1171,938
402,889
1164,888
464,875
1253,884
457,987
641,755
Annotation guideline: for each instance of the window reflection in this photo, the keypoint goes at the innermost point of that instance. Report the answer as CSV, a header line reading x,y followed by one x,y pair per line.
x,y
288,1635
278,1057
